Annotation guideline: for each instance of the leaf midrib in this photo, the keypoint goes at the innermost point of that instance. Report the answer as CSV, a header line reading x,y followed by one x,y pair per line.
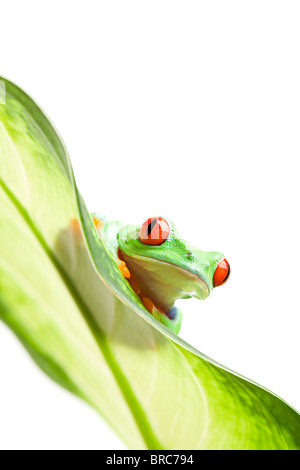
x,y
133,404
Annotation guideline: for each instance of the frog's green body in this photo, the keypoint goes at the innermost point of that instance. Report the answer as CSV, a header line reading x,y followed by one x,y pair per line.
x,y
164,271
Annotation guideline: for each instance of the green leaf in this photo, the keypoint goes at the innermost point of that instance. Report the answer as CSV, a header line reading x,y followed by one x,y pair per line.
x,y
66,300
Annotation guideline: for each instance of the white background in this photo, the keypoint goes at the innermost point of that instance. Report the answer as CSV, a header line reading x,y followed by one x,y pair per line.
x,y
185,109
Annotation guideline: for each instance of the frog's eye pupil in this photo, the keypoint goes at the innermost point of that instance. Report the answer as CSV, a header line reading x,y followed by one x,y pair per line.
x,y
151,226
154,231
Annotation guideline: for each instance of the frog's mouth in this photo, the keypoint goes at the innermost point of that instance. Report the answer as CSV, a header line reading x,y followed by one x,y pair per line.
x,y
162,282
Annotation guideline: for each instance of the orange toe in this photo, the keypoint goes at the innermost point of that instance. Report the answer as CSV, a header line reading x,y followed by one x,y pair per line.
x,y
123,268
98,223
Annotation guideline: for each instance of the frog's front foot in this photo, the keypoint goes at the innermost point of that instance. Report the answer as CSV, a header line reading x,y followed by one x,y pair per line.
x,y
173,319
175,315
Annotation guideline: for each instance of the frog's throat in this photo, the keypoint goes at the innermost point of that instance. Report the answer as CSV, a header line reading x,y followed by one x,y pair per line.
x,y
164,282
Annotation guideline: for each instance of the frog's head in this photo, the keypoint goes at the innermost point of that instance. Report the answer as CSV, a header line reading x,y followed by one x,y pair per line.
x,y
168,268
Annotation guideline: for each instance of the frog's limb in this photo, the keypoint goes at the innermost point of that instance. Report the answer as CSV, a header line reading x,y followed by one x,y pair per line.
x,y
122,265
98,223
173,320
123,268
99,216
98,219
134,284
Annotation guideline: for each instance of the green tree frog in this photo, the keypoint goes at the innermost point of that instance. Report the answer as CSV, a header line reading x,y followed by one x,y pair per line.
x,y
160,266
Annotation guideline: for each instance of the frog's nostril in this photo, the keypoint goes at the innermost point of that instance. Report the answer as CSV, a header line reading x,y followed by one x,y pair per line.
x,y
222,273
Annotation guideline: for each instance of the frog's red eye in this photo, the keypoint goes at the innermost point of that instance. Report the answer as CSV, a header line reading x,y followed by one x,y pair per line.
x,y
154,231
222,273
